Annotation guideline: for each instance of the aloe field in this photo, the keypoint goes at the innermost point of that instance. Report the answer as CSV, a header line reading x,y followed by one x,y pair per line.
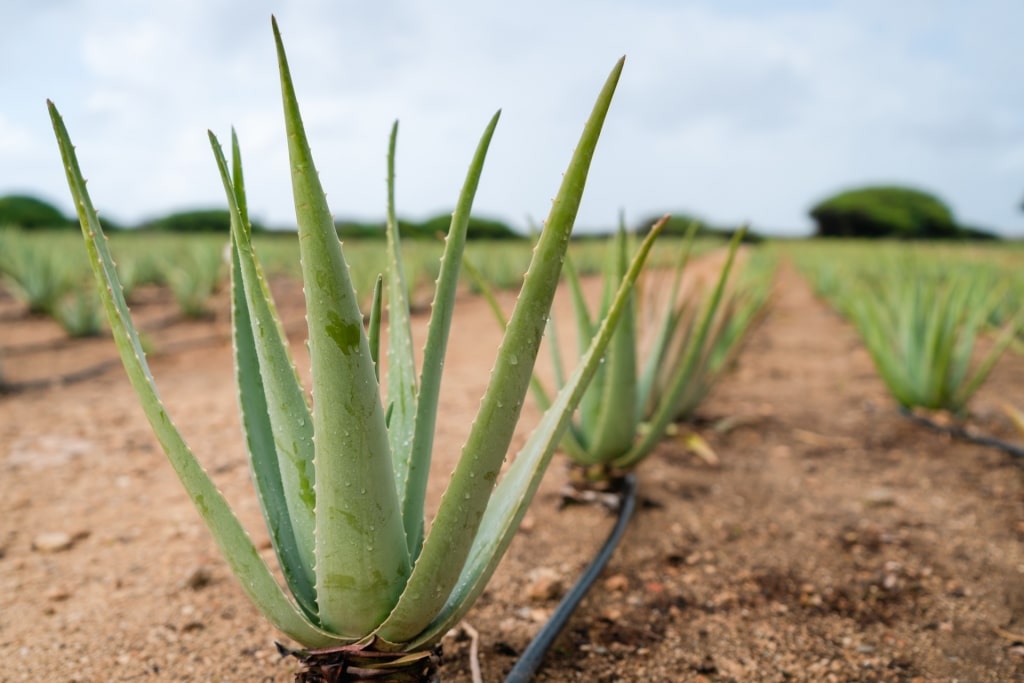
x,y
793,525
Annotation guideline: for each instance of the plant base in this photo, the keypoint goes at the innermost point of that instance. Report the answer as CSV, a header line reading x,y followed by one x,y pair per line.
x,y
594,484
357,663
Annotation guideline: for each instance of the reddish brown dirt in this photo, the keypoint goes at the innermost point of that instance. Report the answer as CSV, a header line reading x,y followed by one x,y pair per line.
x,y
835,541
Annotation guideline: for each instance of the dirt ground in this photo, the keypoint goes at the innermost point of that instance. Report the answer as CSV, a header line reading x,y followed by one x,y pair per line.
x,y
835,541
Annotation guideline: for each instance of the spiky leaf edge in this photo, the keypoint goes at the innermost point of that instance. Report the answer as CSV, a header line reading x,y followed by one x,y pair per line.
x,y
463,504
255,576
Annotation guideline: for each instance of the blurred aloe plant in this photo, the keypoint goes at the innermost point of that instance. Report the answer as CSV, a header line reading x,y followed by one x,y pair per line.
x,y
704,333
648,395
920,313
342,482
194,274
81,313
37,276
920,328
630,405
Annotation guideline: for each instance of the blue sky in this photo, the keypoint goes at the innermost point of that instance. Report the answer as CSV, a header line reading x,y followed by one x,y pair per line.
x,y
734,111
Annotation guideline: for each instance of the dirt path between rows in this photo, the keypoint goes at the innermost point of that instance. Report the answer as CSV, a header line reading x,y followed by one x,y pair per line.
x,y
835,542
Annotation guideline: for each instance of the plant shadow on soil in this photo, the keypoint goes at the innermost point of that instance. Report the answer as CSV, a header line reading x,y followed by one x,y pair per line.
x,y
834,542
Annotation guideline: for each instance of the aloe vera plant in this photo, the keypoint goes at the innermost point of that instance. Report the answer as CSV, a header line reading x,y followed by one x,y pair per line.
x,y
341,482
705,332
38,276
920,313
920,330
81,314
633,401
193,275
688,345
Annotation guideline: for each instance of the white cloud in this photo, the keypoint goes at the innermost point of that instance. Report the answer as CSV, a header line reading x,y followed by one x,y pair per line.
x,y
735,110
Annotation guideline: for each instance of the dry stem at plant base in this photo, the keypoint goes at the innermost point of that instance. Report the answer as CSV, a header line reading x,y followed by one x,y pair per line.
x,y
601,484
360,663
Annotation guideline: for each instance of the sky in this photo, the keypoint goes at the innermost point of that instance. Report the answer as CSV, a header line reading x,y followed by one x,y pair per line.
x,y
731,110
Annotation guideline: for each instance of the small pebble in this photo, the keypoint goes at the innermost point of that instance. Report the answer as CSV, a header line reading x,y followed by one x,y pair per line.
x,y
878,498
539,616
611,614
617,582
52,542
545,584
58,594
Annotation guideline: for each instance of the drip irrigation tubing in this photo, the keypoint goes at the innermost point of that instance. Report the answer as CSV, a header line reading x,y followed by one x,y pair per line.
x,y
533,655
1017,452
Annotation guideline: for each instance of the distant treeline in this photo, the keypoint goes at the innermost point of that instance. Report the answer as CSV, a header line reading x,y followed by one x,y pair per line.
x,y
32,213
479,228
869,212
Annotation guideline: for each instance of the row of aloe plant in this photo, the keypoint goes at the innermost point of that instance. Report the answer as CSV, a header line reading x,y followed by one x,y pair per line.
x,y
47,285
921,318
43,271
341,479
52,282
663,360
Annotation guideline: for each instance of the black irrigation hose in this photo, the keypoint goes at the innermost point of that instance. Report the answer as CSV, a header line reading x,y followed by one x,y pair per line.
x,y
533,655
961,433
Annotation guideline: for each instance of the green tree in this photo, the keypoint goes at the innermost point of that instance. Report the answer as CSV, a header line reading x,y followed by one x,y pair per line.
x,y
679,223
885,211
479,228
198,220
31,212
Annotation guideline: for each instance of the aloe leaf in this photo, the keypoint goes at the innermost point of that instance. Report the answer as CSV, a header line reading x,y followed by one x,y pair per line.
x,y
517,487
669,323
255,577
584,324
437,344
590,405
462,506
573,439
401,379
616,425
867,313
981,373
373,326
275,417
362,560
936,351
485,290
259,439
587,413
540,394
666,409
570,442
557,366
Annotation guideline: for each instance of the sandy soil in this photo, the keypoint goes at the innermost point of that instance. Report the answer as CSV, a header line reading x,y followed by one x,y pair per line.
x,y
834,542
